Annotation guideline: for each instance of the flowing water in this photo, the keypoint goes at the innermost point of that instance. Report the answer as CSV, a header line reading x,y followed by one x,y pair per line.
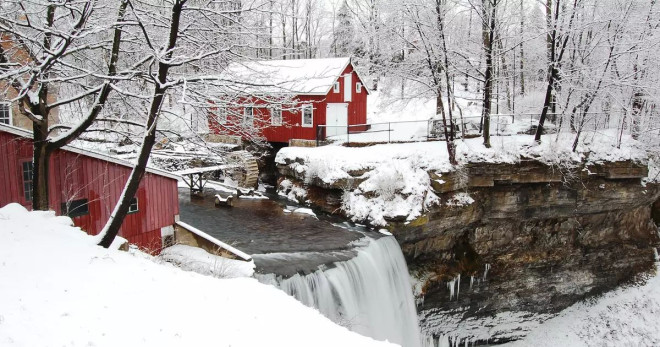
x,y
358,279
369,294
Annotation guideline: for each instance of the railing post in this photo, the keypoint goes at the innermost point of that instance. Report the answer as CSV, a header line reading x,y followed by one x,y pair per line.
x,y
428,130
389,132
348,136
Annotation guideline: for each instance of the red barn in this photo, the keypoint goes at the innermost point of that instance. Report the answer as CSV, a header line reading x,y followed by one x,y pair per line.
x,y
86,186
318,92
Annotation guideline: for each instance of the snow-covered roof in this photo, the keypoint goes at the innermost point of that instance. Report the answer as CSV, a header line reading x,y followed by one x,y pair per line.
x,y
298,76
27,134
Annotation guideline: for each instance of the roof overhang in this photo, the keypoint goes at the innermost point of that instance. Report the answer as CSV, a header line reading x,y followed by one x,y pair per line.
x,y
92,154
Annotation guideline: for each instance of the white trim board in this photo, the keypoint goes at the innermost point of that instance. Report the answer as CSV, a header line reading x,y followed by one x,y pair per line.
x,y
215,241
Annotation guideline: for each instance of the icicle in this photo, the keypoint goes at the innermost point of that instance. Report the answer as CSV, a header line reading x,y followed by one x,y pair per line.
x,y
428,341
450,286
655,254
458,286
486,271
420,301
471,281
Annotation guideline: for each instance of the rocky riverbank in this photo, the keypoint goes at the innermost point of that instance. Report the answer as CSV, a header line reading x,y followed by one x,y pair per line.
x,y
498,247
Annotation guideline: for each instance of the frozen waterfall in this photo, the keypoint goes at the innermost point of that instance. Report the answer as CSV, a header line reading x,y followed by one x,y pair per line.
x,y
369,294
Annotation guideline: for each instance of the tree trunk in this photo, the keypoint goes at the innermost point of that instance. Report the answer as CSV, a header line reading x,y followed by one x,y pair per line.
x,y
39,114
111,229
488,31
505,73
555,58
447,131
550,44
41,163
449,134
270,30
522,51
637,105
546,105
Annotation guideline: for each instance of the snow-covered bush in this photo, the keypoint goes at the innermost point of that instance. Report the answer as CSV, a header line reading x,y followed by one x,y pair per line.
x,y
399,190
291,191
385,181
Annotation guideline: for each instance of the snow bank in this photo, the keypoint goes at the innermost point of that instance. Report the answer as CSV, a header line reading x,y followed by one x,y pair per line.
x,y
58,289
305,211
624,317
394,180
399,189
200,261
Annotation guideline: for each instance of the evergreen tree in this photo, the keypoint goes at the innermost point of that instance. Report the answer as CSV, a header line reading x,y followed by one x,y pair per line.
x,y
344,35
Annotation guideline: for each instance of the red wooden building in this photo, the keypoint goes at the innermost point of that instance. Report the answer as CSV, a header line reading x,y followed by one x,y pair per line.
x,y
317,92
86,186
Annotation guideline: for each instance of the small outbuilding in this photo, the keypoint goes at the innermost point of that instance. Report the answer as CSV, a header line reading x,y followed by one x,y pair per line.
x,y
86,185
326,92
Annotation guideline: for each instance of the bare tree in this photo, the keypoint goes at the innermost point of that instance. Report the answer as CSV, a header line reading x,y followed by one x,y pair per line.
x,y
432,62
43,53
558,41
488,17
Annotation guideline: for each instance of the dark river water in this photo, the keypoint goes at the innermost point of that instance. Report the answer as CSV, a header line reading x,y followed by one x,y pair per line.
x,y
280,242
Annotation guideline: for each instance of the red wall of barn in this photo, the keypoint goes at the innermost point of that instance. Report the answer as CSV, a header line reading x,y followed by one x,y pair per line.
x,y
357,108
75,176
291,127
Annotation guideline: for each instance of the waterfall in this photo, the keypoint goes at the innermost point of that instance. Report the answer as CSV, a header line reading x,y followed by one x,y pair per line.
x,y
369,294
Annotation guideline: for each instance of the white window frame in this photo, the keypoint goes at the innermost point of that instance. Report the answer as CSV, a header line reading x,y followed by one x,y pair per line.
x,y
302,114
335,87
137,206
273,110
221,115
348,91
27,173
245,116
358,87
10,120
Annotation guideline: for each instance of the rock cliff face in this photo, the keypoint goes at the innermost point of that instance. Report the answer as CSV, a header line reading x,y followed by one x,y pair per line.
x,y
532,240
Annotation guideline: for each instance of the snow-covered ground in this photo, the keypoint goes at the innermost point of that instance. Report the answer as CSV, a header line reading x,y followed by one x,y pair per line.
x,y
57,288
198,260
628,316
393,119
397,180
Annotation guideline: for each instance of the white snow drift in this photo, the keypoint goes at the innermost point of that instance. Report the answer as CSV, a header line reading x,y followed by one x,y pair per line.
x,y
57,288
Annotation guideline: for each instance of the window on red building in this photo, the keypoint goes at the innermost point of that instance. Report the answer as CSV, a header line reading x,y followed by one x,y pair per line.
x,y
133,207
248,117
27,168
5,113
307,116
276,115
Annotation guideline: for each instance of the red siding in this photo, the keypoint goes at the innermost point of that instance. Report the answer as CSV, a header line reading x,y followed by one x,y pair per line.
x,y
76,176
291,120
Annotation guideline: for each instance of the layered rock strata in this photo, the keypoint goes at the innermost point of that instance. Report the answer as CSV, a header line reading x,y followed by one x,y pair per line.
x,y
531,240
